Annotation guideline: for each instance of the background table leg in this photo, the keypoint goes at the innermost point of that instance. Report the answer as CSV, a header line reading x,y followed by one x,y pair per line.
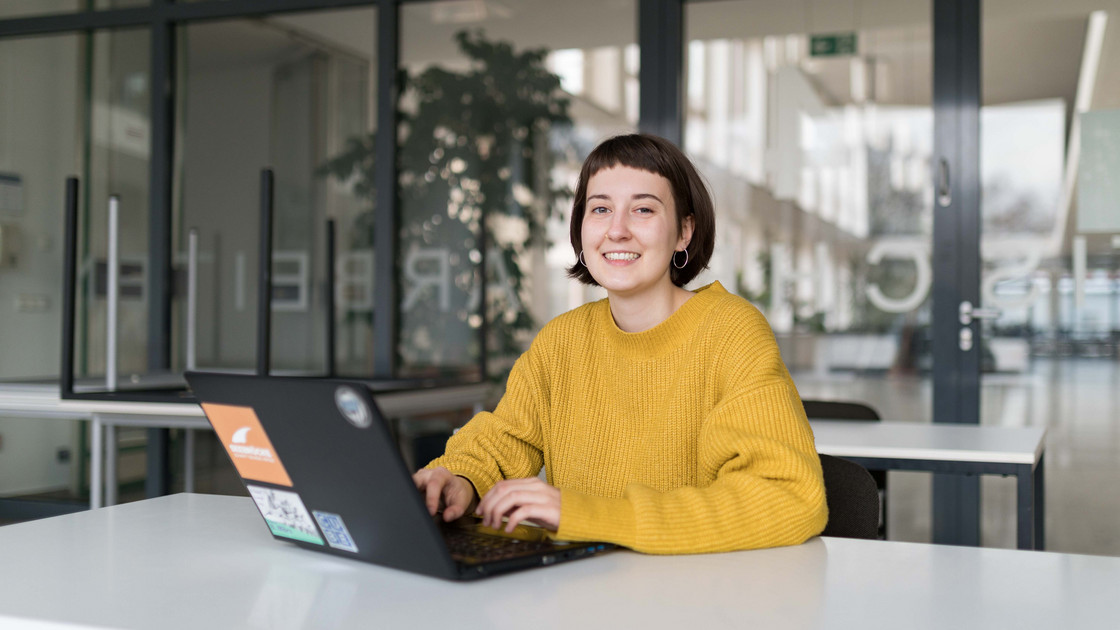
x,y
188,456
96,454
1040,504
1026,492
110,464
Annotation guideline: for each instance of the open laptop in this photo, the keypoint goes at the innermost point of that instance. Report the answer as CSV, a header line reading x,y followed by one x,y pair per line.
x,y
322,467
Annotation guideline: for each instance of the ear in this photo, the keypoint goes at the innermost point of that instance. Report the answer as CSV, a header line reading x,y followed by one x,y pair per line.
x,y
687,225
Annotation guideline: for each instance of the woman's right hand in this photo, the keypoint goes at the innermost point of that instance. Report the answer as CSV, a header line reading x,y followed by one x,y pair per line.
x,y
441,488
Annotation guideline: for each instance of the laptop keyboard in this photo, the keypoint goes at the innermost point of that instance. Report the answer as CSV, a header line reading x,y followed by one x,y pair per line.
x,y
469,546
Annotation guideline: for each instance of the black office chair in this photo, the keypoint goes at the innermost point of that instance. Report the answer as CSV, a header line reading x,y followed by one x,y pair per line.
x,y
843,410
853,499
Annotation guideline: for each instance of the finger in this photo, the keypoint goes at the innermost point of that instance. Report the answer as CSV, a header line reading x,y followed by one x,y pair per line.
x,y
485,505
492,515
516,516
505,500
501,489
432,493
420,478
536,513
511,501
455,501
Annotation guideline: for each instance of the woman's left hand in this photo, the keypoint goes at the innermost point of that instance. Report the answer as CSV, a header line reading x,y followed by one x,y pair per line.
x,y
521,500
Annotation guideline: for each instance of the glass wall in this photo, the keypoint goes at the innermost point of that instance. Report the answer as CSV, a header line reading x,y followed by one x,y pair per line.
x,y
1050,153
500,105
815,130
40,140
41,136
814,126
118,154
293,93
72,105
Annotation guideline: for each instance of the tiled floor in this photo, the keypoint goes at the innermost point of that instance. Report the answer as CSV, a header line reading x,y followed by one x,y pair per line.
x,y
1077,400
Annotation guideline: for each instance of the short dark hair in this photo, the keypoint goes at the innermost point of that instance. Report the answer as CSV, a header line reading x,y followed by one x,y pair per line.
x,y
657,155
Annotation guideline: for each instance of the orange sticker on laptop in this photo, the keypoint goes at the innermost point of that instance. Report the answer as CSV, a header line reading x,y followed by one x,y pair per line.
x,y
248,445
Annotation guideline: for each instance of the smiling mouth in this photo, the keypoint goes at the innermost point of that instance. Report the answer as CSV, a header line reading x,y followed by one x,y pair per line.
x,y
621,256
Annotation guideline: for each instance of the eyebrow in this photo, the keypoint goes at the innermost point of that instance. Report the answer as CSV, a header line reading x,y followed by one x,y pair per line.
x,y
637,196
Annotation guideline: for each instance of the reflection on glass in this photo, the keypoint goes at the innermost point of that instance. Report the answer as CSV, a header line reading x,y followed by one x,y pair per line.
x,y
293,93
56,123
838,144
40,145
119,152
73,105
1049,267
498,108
819,158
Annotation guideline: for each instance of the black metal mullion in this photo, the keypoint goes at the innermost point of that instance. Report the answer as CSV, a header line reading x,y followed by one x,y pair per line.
x,y
385,315
220,9
162,10
159,192
956,246
661,75
68,22
162,120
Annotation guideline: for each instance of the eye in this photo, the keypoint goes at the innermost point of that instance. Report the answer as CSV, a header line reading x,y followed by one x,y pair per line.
x,y
644,210
599,210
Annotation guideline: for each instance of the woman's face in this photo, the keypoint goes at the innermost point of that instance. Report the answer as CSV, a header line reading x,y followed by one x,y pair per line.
x,y
629,231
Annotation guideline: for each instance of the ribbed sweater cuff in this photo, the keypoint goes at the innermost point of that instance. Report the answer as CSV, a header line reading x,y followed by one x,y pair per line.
x,y
479,478
586,517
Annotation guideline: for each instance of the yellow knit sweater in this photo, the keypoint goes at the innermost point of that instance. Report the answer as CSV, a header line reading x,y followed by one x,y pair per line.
x,y
689,437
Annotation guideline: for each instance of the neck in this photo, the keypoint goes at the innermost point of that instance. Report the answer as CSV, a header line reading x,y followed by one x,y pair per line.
x,y
641,312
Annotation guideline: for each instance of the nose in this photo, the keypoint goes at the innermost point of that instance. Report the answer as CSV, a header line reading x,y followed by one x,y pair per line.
x,y
620,226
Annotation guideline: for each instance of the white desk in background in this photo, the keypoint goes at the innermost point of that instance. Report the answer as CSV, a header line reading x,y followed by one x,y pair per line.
x,y
200,561
43,401
950,448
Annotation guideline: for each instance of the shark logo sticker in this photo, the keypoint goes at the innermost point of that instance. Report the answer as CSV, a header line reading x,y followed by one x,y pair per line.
x,y
248,445
239,435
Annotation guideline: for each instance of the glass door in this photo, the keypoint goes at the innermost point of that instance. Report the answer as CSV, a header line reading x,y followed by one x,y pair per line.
x,y
293,93
813,123
1050,153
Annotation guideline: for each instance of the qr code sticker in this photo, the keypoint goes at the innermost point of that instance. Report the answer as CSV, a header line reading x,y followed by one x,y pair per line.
x,y
335,531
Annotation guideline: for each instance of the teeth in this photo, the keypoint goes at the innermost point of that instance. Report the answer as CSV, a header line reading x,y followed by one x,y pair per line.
x,y
621,256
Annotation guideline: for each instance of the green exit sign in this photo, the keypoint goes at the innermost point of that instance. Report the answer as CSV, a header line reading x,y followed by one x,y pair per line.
x,y
832,45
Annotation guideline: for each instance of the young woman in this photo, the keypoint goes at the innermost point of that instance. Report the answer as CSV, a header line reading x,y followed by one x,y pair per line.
x,y
664,418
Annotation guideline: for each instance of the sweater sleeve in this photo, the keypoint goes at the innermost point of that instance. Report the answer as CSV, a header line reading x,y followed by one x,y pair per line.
x,y
761,480
505,443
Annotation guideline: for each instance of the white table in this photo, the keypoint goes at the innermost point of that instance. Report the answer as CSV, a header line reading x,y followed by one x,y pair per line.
x,y
950,448
197,561
39,401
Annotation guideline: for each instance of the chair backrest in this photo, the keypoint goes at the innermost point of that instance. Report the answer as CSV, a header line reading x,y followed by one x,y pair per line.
x,y
853,499
838,410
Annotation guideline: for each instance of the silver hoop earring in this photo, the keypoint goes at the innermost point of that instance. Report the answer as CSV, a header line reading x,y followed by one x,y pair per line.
x,y
581,258
685,263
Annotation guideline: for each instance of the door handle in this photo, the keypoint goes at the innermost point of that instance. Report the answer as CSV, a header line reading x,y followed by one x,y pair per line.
x,y
968,313
944,189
